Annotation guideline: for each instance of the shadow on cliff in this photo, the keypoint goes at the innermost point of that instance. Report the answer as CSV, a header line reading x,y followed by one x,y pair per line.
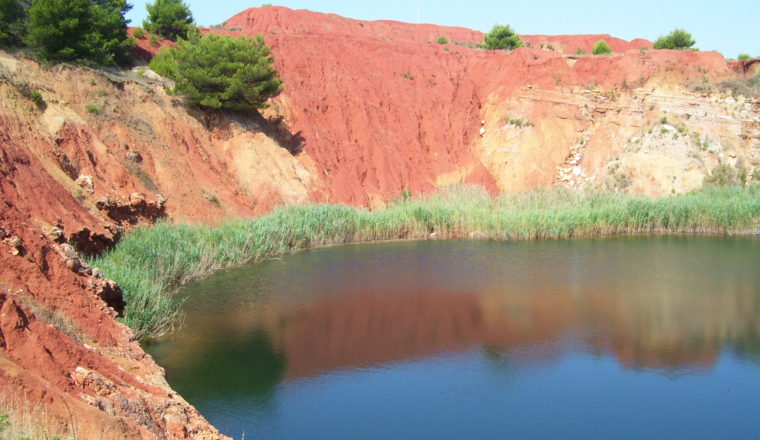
x,y
275,127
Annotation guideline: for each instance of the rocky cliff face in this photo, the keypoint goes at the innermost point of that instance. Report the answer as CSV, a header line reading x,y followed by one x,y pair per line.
x,y
370,109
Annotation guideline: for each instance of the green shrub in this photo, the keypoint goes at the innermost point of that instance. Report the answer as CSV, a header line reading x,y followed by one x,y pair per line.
x,y
580,51
442,40
601,48
139,33
37,98
81,31
749,87
502,37
4,422
678,39
755,176
171,19
744,56
219,71
517,122
724,175
154,40
92,108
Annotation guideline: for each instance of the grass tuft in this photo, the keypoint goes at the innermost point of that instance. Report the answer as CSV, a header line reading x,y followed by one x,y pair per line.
x,y
154,261
20,419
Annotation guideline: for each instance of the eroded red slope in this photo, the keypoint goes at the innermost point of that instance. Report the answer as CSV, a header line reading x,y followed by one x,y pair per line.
x,y
382,111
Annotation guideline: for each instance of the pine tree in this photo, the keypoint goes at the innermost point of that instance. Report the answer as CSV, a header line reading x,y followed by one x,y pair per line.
x,y
502,37
169,18
12,21
678,39
601,48
110,22
219,71
82,31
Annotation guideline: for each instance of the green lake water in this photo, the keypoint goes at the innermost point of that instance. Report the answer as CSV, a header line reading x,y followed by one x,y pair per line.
x,y
616,338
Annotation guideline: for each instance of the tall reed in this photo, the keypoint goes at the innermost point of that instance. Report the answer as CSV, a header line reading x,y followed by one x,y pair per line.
x,y
152,262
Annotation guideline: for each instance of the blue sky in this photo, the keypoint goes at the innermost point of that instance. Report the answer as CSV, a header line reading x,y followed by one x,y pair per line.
x,y
730,27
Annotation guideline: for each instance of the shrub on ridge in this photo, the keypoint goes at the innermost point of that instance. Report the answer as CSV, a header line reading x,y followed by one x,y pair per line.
x,y
601,48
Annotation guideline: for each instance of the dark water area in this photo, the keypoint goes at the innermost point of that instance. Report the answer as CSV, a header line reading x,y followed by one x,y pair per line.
x,y
617,338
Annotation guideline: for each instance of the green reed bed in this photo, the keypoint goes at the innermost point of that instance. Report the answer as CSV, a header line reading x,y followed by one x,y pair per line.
x,y
149,263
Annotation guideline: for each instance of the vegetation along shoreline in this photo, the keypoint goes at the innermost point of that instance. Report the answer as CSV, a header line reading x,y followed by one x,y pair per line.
x,y
151,262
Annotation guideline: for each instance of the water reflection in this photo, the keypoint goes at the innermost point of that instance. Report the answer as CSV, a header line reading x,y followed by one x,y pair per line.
x,y
651,330
672,306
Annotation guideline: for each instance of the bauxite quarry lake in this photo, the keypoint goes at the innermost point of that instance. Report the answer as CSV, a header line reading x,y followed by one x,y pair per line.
x,y
614,338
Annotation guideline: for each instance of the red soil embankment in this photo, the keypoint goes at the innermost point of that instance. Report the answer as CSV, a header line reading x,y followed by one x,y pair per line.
x,y
381,110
